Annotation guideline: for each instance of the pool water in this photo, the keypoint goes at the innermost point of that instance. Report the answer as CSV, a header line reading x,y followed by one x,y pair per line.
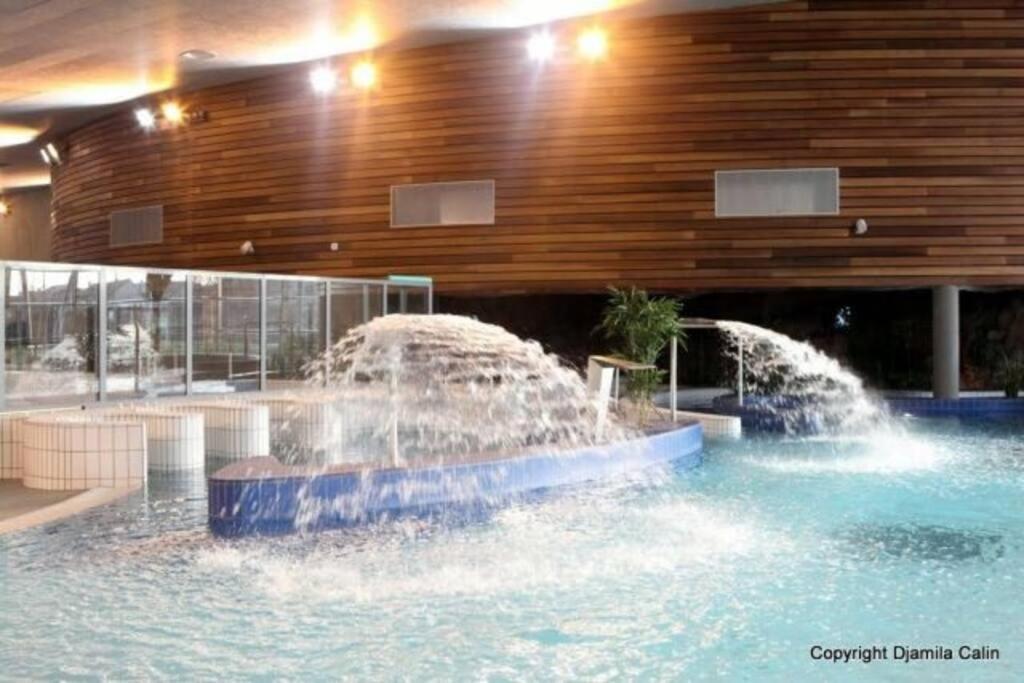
x,y
736,569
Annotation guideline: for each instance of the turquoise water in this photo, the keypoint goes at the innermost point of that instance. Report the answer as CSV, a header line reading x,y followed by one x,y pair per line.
x,y
735,570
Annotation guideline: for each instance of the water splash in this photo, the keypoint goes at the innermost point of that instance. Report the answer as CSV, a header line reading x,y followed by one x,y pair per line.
x,y
427,389
804,388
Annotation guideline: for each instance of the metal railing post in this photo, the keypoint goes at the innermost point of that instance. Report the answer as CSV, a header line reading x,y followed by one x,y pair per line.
x,y
430,298
739,374
263,334
101,342
327,331
384,300
189,334
327,315
672,387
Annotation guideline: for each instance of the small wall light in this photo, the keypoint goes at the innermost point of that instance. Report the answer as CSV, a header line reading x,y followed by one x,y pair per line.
x,y
323,80
173,113
51,155
593,43
541,46
247,248
146,118
860,227
5,208
364,74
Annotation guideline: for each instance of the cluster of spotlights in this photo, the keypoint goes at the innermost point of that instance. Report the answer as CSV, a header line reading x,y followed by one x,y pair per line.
x,y
591,44
170,115
325,80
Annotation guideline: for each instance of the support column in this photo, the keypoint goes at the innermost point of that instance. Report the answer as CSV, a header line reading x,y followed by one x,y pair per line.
x,y
946,342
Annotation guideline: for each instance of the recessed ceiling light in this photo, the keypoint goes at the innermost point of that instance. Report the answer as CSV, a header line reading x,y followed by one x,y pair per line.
x,y
195,55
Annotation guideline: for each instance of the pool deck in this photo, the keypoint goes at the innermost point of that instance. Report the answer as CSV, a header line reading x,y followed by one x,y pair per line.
x,y
22,508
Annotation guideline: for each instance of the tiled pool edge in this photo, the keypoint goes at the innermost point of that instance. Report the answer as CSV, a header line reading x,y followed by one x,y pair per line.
x,y
273,504
963,407
53,512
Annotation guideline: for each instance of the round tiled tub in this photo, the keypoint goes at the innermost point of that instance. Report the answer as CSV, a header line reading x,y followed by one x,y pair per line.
x,y
303,429
12,439
74,453
175,441
232,430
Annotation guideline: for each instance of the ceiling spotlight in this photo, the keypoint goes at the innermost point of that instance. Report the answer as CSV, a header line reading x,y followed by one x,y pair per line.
x,y
593,43
5,208
146,118
364,75
196,55
323,79
172,113
541,46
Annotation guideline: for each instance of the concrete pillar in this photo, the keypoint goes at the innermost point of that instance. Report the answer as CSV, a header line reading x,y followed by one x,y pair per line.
x,y
946,342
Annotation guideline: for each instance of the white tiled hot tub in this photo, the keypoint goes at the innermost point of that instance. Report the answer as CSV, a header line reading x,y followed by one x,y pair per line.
x,y
74,453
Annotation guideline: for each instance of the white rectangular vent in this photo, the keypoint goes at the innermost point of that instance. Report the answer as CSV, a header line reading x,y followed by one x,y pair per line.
x,y
777,192
144,225
461,203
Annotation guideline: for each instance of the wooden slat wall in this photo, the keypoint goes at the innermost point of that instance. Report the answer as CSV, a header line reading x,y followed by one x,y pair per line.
x,y
605,172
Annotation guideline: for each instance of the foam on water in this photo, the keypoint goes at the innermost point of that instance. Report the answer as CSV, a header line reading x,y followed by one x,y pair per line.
x,y
575,540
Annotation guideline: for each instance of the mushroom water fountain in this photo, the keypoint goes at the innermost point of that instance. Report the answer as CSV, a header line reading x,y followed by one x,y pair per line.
x,y
435,415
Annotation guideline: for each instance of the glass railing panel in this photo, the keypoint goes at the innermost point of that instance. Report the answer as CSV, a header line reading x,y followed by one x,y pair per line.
x,y
407,299
226,330
51,327
346,308
295,327
373,301
145,333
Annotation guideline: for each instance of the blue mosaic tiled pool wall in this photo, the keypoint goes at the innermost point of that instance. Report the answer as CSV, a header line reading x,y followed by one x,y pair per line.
x,y
962,407
768,414
284,504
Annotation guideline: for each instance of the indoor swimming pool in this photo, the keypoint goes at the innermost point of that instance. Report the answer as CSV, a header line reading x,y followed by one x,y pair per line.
x,y
910,537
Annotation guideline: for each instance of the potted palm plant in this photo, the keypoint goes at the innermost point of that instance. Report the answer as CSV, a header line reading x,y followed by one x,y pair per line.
x,y
640,326
1011,373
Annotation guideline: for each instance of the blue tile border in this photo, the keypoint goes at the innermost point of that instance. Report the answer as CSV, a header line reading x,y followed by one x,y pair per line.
x,y
962,406
267,499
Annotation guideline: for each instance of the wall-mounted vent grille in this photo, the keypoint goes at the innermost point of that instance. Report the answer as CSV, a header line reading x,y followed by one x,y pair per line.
x,y
144,225
777,192
462,203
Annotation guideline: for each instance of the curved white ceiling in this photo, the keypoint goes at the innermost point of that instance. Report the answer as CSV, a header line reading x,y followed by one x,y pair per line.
x,y
63,62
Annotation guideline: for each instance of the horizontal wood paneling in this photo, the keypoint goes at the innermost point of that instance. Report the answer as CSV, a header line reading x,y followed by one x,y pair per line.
x,y
604,171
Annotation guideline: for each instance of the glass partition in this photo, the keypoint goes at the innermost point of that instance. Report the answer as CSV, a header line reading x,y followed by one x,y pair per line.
x,y
226,329
50,336
374,298
295,326
346,308
145,334
408,299
77,334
